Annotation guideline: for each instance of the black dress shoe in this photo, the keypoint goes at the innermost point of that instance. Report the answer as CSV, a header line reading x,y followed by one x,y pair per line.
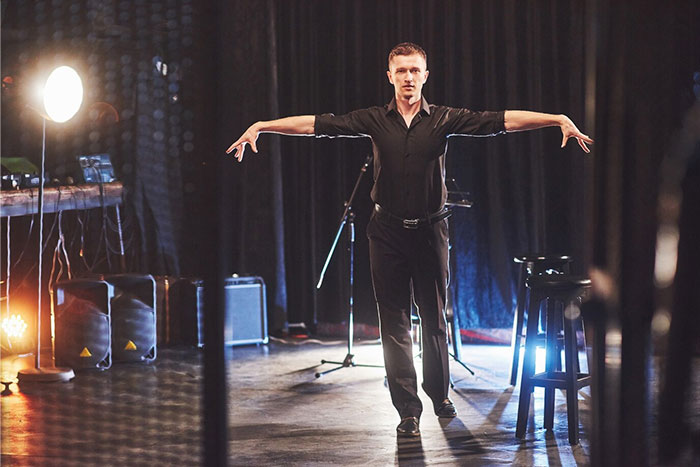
x,y
446,409
408,427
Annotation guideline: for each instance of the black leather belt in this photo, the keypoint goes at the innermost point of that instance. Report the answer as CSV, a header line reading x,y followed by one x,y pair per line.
x,y
413,224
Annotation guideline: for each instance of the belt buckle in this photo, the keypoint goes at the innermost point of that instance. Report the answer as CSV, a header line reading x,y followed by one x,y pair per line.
x,y
410,224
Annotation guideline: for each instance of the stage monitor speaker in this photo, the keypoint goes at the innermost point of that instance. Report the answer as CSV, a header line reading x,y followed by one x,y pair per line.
x,y
133,317
245,311
82,311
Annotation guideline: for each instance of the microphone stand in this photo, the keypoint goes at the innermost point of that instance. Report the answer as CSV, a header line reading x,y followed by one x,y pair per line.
x,y
459,200
348,218
456,353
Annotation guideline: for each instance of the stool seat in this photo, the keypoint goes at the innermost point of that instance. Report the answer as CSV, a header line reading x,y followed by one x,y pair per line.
x,y
556,282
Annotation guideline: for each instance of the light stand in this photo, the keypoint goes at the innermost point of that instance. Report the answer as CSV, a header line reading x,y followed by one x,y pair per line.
x,y
347,218
63,95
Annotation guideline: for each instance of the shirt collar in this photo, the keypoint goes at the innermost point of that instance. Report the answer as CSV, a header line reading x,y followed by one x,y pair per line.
x,y
424,106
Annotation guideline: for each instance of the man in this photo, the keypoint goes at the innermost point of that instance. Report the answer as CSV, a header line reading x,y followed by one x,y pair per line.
x,y
408,229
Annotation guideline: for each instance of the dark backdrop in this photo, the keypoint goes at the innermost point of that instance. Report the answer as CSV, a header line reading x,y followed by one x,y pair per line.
x,y
331,57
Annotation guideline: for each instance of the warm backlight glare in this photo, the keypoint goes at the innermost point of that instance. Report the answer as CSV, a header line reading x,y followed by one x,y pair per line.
x,y
63,94
14,327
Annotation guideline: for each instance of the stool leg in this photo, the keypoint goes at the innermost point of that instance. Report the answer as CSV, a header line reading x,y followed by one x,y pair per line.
x,y
588,352
570,349
518,321
528,365
583,332
552,353
559,362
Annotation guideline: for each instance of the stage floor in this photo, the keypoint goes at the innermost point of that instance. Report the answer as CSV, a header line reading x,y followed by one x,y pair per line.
x,y
279,413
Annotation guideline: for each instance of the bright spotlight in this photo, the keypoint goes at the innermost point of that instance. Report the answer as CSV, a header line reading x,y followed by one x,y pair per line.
x,y
14,327
63,94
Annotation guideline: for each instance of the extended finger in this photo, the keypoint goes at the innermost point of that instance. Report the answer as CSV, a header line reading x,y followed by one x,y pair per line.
x,y
240,151
230,148
582,143
586,138
564,139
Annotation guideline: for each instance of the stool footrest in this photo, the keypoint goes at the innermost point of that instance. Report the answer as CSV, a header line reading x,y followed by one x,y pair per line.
x,y
541,339
557,379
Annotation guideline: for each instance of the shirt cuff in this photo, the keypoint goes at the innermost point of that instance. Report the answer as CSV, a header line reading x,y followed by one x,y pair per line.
x,y
321,124
500,123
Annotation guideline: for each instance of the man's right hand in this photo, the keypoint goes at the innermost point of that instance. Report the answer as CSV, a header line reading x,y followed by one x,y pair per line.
x,y
249,137
298,125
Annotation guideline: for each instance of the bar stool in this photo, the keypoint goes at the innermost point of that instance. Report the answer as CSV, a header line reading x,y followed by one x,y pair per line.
x,y
530,265
566,292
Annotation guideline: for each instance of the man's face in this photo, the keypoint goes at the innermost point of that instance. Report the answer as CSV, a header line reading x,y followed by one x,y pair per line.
x,y
408,74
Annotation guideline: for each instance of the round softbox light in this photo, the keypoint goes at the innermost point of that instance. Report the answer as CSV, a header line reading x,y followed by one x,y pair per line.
x,y
63,94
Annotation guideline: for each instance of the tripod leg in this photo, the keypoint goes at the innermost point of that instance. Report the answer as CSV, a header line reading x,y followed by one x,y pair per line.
x,y
463,364
321,373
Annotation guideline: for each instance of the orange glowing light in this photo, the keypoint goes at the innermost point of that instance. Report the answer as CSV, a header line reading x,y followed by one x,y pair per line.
x,y
14,327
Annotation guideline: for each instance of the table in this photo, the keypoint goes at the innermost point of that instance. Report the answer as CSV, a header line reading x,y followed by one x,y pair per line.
x,y
60,198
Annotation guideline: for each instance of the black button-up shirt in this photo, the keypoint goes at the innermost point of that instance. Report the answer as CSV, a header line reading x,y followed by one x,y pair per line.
x,y
409,162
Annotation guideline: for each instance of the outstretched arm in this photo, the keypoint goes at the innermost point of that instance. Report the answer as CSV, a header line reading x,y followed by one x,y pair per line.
x,y
520,120
299,125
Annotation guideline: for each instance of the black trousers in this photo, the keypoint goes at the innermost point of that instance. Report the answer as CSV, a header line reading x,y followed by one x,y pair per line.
x,y
401,258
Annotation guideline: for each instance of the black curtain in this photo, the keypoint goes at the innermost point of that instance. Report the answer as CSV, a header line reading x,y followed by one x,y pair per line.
x,y
246,90
331,57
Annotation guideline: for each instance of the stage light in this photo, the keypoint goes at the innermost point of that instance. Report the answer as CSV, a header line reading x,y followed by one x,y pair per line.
x,y
14,327
63,94
61,99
